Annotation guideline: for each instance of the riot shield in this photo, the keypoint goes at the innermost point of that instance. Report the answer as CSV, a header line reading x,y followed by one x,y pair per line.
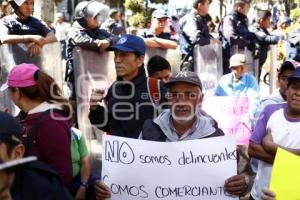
x,y
208,65
11,55
91,71
171,55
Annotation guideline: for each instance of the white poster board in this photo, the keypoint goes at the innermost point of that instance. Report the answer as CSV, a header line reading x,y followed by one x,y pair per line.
x,y
196,169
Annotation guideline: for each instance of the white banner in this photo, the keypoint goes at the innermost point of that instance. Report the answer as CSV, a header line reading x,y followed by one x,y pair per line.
x,y
197,169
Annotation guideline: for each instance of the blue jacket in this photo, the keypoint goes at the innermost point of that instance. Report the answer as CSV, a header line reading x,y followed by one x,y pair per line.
x,y
247,86
264,39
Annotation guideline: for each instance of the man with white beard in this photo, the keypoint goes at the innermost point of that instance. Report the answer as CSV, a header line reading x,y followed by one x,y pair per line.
x,y
183,121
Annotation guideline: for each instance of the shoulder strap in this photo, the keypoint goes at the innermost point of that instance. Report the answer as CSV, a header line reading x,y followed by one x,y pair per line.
x,y
153,86
28,139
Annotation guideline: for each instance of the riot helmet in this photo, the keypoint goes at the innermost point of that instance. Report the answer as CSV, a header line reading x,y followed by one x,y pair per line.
x,y
87,9
15,4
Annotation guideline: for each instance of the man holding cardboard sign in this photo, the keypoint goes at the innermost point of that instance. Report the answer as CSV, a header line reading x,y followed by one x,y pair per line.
x,y
184,121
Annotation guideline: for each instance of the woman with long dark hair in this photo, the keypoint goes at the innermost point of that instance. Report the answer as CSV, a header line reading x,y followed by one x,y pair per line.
x,y
45,116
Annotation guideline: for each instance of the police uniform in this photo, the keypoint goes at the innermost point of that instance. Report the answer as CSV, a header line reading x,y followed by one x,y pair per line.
x,y
30,26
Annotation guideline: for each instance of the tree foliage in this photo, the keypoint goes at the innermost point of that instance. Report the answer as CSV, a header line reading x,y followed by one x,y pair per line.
x,y
136,6
295,13
141,11
159,1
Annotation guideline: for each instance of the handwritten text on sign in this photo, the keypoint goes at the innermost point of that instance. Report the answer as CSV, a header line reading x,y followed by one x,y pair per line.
x,y
196,169
232,115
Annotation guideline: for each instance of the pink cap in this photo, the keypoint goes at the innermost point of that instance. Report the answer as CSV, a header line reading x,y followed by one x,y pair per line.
x,y
21,75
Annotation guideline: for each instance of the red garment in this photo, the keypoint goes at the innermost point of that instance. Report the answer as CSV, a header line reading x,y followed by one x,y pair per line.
x,y
51,144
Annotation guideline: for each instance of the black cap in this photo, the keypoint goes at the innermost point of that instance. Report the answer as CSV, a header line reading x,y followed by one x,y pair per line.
x,y
286,65
10,129
185,77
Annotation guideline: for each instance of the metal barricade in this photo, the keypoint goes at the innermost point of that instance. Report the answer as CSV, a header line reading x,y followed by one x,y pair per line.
x,y
208,65
11,55
171,55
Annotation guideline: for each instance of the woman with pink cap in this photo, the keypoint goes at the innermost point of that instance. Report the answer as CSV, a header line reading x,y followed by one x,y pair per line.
x,y
45,116
22,27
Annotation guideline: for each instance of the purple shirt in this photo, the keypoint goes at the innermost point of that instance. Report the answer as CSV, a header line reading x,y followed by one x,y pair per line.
x,y
260,129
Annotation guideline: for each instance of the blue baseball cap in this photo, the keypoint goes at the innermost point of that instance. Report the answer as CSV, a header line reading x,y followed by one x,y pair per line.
x,y
295,74
129,43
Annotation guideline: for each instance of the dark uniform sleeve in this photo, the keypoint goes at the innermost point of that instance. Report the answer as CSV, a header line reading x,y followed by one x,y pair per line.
x,y
228,29
83,40
263,36
190,29
45,30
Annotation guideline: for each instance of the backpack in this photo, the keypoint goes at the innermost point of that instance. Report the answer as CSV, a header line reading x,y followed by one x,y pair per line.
x,y
153,87
28,139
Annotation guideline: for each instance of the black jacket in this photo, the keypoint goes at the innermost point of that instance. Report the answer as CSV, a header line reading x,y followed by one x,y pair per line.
x,y
36,180
264,39
234,30
193,29
128,107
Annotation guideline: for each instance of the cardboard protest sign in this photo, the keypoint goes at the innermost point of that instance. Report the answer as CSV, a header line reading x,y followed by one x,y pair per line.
x,y
232,115
285,176
196,169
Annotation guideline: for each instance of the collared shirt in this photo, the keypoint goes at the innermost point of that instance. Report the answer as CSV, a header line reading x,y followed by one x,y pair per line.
x,y
184,136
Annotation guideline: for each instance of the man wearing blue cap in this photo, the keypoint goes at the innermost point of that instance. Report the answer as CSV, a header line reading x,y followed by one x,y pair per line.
x,y
269,134
159,36
128,100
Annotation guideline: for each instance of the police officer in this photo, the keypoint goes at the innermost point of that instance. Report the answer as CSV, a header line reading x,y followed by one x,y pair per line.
x,y
22,27
85,32
263,36
234,31
194,29
113,24
159,35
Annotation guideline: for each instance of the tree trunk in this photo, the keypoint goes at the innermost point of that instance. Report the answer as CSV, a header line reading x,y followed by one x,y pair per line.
x,y
44,10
